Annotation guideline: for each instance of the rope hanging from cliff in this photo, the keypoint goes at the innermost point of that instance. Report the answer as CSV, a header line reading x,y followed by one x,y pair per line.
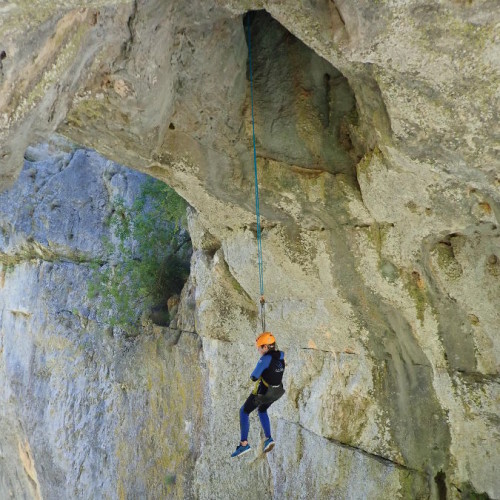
x,y
257,208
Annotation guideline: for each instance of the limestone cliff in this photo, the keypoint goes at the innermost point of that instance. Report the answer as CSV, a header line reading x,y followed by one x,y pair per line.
x,y
82,405
377,142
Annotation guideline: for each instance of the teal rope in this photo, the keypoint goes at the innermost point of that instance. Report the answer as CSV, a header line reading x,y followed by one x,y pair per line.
x,y
257,208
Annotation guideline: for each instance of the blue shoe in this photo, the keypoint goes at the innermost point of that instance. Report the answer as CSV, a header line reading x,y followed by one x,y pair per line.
x,y
241,450
268,444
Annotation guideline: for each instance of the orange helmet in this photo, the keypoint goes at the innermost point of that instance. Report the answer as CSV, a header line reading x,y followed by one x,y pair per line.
x,y
265,339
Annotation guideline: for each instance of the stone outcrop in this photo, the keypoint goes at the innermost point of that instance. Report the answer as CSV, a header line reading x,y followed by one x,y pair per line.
x,y
378,167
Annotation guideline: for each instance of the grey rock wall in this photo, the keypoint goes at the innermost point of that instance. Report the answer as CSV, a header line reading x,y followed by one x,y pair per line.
x,y
83,405
380,229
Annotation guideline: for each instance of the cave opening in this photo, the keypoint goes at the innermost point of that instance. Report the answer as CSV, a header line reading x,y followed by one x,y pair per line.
x,y
305,110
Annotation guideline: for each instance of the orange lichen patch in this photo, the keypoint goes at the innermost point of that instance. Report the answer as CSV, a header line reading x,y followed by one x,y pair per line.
x,y
311,344
416,288
29,466
485,207
122,88
418,280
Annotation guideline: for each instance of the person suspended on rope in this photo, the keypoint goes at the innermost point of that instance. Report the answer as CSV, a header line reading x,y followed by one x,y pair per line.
x,y
268,376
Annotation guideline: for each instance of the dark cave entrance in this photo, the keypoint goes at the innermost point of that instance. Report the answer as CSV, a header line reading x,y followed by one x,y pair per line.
x,y
305,109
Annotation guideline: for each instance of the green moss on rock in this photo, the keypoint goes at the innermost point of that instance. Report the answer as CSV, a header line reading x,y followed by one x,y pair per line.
x,y
447,262
415,286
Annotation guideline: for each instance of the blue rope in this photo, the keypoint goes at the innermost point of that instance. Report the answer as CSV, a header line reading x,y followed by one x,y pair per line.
x,y
257,209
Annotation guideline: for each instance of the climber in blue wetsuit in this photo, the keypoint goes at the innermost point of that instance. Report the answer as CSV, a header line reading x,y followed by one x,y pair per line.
x,y
268,389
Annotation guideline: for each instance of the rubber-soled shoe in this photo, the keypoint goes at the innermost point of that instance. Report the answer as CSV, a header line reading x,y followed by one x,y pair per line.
x,y
268,445
241,450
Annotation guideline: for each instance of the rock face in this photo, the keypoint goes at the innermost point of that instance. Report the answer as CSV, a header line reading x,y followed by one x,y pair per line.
x,y
82,406
377,147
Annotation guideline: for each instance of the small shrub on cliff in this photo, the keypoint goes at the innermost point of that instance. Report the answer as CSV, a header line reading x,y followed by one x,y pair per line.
x,y
148,257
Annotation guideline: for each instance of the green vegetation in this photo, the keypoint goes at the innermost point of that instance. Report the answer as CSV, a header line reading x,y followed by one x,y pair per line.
x,y
468,492
447,261
416,288
148,258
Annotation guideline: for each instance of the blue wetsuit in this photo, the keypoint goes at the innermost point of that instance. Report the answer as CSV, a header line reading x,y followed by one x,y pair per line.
x,y
269,372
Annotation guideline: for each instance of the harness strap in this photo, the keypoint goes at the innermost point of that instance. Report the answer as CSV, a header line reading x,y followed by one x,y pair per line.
x,y
256,388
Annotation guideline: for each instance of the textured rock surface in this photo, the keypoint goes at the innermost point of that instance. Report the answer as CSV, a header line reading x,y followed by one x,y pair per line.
x,y
82,406
381,236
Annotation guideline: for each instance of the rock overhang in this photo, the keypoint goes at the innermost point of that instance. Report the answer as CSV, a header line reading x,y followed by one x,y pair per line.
x,y
162,87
